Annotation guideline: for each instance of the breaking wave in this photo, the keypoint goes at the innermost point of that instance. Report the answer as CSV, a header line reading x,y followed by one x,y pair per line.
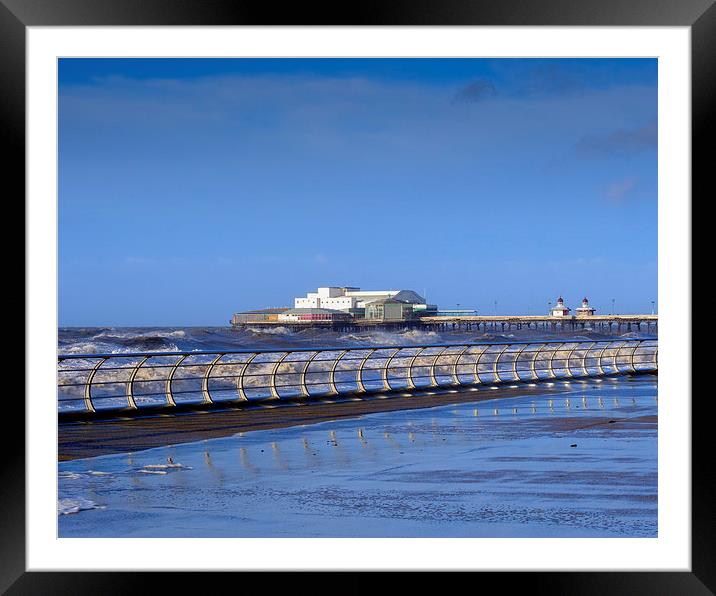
x,y
126,340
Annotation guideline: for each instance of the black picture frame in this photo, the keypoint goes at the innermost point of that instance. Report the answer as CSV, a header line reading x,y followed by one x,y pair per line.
x,y
699,15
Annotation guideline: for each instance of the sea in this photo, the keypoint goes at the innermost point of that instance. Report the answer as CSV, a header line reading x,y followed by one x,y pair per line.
x,y
119,340
579,462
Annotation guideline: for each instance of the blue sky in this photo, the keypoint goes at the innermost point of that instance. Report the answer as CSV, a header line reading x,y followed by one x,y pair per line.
x,y
190,189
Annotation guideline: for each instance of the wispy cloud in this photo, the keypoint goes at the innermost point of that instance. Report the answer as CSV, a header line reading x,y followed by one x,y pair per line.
x,y
533,78
226,138
620,190
529,82
551,79
619,142
476,91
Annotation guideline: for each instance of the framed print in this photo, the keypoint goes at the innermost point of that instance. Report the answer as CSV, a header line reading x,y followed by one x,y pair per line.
x,y
508,193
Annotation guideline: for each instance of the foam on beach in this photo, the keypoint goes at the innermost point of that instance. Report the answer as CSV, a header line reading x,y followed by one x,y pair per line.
x,y
75,505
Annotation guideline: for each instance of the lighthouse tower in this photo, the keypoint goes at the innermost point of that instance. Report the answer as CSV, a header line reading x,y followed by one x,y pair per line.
x,y
559,310
585,310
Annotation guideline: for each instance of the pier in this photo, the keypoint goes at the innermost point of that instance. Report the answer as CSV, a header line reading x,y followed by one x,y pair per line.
x,y
499,323
605,323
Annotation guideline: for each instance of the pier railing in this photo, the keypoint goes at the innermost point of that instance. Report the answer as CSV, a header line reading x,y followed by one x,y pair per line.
x,y
93,383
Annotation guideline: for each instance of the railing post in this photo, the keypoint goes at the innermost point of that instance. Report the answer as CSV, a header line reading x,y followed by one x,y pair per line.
x,y
411,383
240,379
495,371
585,372
616,355
359,372
274,389
476,372
550,366
332,373
455,376
433,379
569,357
599,359
304,388
131,403
205,380
514,362
533,364
168,386
386,382
89,406
636,347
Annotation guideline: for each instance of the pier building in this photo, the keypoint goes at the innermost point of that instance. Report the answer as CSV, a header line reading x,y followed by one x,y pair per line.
x,y
313,315
559,309
354,300
585,310
389,309
264,315
349,298
336,298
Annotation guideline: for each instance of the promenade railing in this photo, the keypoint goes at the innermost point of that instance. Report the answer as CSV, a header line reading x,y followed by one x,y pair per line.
x,y
93,383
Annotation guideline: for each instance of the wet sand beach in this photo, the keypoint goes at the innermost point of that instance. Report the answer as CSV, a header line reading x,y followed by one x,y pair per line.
x,y
576,461
104,437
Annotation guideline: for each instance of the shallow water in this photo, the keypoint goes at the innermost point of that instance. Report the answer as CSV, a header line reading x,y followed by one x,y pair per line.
x,y
537,465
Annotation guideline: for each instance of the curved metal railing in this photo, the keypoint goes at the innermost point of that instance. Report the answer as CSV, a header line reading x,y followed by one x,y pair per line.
x,y
96,382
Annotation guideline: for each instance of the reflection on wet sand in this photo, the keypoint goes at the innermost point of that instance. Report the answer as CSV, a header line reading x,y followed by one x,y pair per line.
x,y
244,459
217,474
278,458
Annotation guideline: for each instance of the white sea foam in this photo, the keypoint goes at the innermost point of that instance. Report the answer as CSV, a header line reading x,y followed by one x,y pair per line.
x,y
134,350
91,347
111,334
68,506
170,466
386,338
69,475
270,330
87,347
634,335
